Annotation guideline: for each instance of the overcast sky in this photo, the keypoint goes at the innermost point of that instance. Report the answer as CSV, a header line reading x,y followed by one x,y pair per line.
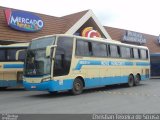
x,y
137,15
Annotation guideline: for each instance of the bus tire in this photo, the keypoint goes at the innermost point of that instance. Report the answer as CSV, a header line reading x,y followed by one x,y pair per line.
x,y
130,81
137,80
77,86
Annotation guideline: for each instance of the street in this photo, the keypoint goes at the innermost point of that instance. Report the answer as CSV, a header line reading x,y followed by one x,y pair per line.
x,y
110,99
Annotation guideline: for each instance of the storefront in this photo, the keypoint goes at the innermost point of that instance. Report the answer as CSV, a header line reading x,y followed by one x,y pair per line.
x,y
22,26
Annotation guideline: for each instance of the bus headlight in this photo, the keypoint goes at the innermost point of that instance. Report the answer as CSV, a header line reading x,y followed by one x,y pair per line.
x,y
46,79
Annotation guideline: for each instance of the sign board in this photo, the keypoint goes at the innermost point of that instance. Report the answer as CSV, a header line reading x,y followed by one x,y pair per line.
x,y
23,21
134,37
90,32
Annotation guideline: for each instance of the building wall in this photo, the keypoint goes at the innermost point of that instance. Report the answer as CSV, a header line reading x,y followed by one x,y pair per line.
x,y
52,25
59,25
151,40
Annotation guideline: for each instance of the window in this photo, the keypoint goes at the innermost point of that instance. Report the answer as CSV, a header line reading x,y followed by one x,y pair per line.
x,y
99,49
114,51
143,54
2,53
83,48
11,54
63,56
123,52
42,42
135,53
21,55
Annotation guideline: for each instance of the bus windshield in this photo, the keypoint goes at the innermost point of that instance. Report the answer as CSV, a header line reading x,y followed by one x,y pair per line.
x,y
42,42
37,63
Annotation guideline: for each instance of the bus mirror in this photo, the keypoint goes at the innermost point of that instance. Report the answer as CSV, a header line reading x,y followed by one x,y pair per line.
x,y
48,50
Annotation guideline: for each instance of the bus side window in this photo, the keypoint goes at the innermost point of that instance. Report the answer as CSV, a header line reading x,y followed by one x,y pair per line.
x,y
144,54
2,53
114,51
83,48
63,56
99,49
21,55
11,54
135,53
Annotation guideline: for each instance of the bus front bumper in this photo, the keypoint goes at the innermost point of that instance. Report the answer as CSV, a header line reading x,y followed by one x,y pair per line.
x,y
44,86
50,85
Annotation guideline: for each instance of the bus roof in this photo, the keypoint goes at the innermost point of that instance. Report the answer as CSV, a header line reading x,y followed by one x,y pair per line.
x,y
16,45
104,40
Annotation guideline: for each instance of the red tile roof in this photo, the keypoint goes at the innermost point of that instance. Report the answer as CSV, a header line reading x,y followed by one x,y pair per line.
x,y
151,40
52,25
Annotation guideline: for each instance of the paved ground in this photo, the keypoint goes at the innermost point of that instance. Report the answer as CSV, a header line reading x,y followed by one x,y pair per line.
x,y
111,99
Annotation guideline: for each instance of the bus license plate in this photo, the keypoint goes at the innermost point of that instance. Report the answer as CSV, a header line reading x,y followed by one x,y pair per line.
x,y
33,86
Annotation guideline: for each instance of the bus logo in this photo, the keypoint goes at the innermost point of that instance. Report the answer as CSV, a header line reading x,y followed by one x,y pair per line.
x,y
23,21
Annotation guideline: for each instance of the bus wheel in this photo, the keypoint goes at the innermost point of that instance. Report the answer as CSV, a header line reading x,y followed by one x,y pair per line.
x,y
130,81
137,80
77,86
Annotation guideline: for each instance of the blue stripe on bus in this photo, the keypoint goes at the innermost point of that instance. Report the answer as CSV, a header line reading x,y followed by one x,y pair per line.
x,y
8,83
108,63
142,64
13,65
68,84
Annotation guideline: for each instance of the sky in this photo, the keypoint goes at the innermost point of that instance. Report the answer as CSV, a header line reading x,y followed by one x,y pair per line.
x,y
136,15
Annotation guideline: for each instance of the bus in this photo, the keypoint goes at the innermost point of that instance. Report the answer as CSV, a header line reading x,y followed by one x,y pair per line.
x,y
11,64
62,62
155,65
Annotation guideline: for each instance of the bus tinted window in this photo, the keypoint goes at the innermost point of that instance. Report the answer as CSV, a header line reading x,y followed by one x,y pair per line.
x,y
2,53
11,54
125,52
114,51
63,56
22,54
99,49
143,54
135,53
82,48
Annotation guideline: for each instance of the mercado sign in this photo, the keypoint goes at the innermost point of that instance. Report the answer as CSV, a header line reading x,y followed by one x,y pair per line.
x,y
23,21
90,32
134,37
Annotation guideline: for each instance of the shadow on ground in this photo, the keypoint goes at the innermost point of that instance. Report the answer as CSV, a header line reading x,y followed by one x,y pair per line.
x,y
86,91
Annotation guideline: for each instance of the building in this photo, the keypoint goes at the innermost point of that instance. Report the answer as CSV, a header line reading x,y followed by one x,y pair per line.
x,y
22,26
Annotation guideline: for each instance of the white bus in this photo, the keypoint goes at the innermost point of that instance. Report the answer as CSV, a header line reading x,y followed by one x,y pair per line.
x,y
65,62
11,64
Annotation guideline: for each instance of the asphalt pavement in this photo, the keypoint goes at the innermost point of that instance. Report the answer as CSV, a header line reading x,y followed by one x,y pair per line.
x,y
144,98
